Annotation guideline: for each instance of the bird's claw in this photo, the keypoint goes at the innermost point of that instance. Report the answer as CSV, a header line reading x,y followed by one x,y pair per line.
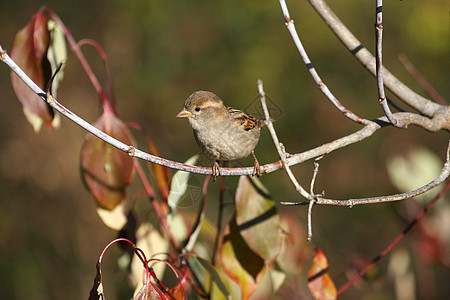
x,y
215,171
256,168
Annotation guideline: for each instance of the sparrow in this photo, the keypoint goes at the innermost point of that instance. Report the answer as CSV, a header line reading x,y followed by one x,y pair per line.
x,y
222,133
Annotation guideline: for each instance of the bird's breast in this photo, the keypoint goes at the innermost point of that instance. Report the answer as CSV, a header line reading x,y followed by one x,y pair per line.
x,y
227,142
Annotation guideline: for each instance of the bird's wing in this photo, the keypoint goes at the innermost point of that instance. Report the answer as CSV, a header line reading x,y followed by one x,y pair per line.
x,y
246,120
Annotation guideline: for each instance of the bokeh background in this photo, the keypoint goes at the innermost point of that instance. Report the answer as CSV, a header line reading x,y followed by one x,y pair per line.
x,y
159,52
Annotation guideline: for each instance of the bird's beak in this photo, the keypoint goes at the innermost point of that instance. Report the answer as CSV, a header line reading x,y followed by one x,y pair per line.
x,y
184,114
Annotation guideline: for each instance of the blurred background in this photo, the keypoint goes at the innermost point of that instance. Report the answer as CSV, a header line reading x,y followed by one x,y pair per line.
x,y
159,52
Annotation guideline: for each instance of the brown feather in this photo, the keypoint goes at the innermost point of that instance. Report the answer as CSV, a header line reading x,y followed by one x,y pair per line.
x,y
248,121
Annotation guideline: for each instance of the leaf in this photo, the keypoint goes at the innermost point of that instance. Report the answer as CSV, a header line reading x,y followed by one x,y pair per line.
x,y
294,250
178,226
29,52
96,292
257,219
149,292
236,272
320,283
198,264
179,185
161,173
271,281
239,262
106,170
115,218
194,234
408,172
57,52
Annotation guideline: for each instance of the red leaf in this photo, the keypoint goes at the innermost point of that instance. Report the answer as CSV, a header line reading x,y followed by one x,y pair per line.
x,y
106,170
320,283
29,51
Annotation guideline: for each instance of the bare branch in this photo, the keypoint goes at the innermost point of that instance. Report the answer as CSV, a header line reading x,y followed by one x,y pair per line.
x,y
397,87
397,197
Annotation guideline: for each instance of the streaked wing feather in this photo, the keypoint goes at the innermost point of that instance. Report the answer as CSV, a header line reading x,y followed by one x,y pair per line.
x,y
247,121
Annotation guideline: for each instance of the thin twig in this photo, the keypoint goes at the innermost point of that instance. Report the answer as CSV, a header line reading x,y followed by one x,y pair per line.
x,y
445,172
379,65
311,203
310,206
315,172
397,87
76,49
291,27
281,152
156,206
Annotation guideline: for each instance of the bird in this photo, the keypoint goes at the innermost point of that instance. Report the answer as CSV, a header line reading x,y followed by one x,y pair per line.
x,y
222,133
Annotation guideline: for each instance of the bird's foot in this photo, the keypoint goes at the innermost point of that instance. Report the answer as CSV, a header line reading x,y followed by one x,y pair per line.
x,y
215,171
256,168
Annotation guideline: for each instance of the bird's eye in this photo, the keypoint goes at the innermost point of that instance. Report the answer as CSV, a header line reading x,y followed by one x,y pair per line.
x,y
197,109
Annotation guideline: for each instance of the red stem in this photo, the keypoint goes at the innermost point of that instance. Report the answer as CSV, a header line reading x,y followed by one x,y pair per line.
x,y
76,49
156,207
395,241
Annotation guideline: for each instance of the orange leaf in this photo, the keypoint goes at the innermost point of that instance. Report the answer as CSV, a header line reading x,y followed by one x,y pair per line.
x,y
29,52
320,283
106,170
162,174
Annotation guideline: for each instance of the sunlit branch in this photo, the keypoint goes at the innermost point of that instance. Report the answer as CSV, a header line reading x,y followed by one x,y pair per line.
x,y
291,27
281,152
397,197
